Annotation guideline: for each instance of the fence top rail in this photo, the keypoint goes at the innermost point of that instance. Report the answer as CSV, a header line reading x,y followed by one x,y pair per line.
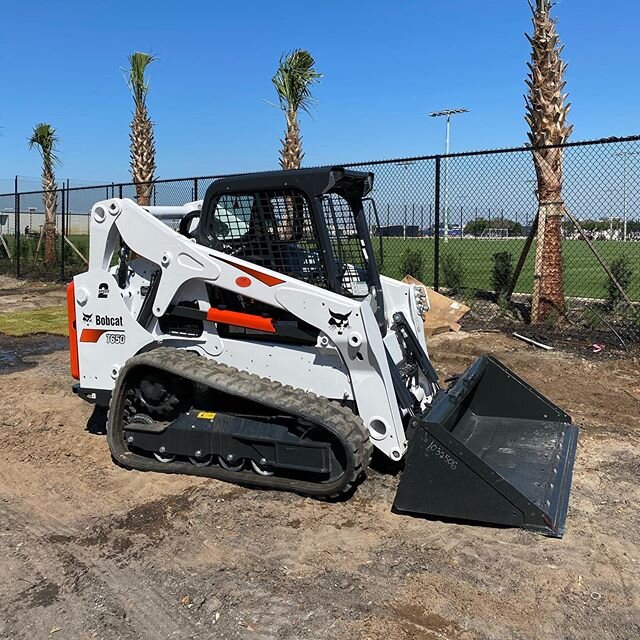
x,y
488,152
437,156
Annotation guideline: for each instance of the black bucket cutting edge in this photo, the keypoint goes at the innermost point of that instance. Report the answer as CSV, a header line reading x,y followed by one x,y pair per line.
x,y
492,449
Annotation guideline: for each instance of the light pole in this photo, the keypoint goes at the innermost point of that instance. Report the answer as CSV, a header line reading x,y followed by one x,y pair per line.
x,y
625,155
447,113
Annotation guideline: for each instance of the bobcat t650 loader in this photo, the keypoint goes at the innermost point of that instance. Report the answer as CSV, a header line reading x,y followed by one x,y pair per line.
x,y
259,344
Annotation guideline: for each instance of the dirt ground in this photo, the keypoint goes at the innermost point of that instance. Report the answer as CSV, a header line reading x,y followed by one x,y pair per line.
x,y
20,295
89,550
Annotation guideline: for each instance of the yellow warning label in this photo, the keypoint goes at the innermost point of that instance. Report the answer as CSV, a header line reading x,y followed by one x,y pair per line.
x,y
206,415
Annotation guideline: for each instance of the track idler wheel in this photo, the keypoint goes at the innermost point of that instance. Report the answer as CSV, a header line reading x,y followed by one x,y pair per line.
x,y
201,461
231,465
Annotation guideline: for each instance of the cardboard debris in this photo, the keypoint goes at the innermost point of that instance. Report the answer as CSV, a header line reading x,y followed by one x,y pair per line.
x,y
444,313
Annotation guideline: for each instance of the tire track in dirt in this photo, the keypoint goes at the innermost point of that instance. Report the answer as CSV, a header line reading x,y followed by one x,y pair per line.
x,y
86,573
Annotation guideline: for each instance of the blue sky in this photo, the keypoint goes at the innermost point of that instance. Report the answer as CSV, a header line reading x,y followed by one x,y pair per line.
x,y
385,65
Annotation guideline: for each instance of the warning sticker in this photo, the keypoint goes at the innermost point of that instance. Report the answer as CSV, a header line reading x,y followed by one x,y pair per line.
x,y
206,415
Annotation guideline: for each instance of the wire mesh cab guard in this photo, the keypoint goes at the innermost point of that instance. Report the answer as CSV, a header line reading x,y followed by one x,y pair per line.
x,y
308,224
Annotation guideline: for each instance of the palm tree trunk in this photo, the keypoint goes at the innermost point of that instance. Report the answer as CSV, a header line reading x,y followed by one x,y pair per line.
x,y
291,152
143,152
548,284
50,198
548,279
290,158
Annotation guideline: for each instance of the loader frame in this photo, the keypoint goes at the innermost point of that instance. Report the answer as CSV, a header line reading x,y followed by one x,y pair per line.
x,y
359,356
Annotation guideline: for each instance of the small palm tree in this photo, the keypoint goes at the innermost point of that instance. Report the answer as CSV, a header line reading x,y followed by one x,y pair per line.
x,y
546,115
143,151
293,81
44,138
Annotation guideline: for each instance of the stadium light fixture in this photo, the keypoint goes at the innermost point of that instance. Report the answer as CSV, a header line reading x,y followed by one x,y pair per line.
x,y
447,113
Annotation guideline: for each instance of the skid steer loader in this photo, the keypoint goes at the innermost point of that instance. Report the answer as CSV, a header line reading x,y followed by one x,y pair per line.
x,y
259,344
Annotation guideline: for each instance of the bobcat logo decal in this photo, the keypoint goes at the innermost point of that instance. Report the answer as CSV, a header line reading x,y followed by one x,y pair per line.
x,y
339,321
86,317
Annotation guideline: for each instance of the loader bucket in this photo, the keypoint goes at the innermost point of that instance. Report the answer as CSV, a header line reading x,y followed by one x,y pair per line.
x,y
491,449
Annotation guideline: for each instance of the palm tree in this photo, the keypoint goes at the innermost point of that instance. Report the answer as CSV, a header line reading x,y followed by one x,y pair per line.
x,y
293,80
45,139
143,151
546,115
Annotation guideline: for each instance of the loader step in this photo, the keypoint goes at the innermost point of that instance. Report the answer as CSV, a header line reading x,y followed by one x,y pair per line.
x,y
491,449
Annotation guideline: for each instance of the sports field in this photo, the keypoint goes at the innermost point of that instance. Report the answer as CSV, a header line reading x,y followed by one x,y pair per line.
x,y
584,277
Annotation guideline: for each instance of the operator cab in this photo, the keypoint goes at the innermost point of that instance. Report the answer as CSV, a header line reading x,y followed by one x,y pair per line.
x,y
308,224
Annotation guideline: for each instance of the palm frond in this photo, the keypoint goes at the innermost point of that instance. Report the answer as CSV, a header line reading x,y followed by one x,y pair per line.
x,y
136,81
294,78
45,139
546,102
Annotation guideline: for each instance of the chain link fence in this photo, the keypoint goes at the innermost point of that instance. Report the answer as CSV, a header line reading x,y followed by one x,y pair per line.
x,y
459,223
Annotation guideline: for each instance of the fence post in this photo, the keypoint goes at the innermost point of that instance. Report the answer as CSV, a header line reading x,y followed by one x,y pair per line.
x,y
16,210
195,188
436,247
404,222
62,232
120,191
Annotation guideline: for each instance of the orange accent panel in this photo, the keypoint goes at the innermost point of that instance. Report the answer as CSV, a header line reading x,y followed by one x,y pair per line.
x,y
92,335
270,281
73,334
237,319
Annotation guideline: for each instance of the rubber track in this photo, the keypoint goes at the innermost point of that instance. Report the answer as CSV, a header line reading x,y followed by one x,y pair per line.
x,y
343,424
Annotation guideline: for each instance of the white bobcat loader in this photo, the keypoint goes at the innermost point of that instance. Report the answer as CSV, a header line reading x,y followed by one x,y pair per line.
x,y
260,345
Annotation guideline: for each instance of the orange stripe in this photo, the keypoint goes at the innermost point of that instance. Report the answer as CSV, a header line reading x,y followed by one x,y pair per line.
x,y
73,334
91,335
237,319
270,281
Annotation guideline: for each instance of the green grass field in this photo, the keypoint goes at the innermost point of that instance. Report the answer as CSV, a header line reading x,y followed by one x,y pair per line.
x,y
584,277
47,320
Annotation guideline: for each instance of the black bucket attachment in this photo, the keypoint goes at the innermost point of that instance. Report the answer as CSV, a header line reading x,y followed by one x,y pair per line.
x,y
492,449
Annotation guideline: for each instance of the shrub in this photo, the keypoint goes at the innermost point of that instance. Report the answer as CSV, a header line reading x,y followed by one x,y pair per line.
x,y
622,272
412,263
502,272
452,272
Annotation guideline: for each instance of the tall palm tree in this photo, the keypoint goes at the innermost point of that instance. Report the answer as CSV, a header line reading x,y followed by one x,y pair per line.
x,y
293,81
546,114
143,150
44,138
